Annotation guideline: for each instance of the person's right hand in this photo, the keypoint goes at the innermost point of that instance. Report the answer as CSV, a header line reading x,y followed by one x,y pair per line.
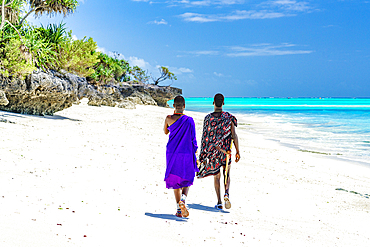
x,y
223,151
237,157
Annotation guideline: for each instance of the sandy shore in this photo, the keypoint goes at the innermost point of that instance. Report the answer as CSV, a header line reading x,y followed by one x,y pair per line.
x,y
93,176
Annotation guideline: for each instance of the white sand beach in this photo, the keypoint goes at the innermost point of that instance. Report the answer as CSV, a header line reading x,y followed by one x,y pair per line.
x,y
93,176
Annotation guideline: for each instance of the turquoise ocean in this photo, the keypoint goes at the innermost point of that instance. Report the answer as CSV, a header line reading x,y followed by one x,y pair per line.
x,y
338,127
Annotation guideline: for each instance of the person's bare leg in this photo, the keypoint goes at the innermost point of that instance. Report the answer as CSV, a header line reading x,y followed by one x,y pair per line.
x,y
217,187
227,185
177,195
185,191
180,202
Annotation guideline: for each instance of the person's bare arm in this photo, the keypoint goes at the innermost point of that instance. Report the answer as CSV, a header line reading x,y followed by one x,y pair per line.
x,y
236,142
165,128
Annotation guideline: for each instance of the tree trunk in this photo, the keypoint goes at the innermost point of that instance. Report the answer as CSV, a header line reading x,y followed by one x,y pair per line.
x,y
2,15
3,5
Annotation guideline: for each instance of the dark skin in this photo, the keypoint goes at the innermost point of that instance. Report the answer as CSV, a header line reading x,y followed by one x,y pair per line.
x,y
170,119
217,112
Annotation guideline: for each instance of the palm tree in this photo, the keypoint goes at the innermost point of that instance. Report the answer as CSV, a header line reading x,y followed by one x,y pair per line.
x,y
9,13
51,7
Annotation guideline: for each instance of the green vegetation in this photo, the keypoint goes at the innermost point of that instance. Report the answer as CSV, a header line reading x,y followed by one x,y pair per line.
x,y
51,7
164,75
108,68
139,74
13,61
77,56
24,47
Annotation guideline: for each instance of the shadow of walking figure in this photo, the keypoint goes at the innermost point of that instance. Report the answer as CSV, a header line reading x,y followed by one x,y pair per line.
x,y
206,208
166,217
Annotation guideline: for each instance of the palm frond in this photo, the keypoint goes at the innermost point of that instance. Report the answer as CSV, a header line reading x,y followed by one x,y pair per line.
x,y
52,7
11,14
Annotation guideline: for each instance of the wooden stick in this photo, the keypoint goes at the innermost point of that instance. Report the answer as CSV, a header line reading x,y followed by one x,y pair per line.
x,y
228,157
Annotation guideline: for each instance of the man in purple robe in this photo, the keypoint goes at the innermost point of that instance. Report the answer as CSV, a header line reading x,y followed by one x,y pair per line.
x,y
180,154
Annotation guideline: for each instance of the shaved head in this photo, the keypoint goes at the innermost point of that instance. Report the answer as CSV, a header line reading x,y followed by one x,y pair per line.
x,y
219,100
179,101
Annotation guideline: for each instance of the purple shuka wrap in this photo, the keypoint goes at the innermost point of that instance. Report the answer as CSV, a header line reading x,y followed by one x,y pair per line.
x,y
180,154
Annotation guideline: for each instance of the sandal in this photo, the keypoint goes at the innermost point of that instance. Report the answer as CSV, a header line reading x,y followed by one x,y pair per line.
x,y
218,206
184,210
227,201
178,213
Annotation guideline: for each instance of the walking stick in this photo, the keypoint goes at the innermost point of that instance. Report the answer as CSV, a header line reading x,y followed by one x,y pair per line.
x,y
228,157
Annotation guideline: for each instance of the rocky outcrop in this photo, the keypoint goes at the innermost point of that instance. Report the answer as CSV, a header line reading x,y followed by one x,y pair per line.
x,y
160,94
142,94
3,99
44,93
126,104
112,95
39,94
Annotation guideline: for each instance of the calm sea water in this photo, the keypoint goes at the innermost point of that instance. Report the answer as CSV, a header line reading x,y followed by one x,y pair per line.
x,y
339,127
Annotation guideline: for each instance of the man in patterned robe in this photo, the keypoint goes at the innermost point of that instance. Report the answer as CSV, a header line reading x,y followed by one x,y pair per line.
x,y
218,132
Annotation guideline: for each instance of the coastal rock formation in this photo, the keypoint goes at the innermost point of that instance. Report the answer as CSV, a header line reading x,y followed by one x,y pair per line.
x,y
126,104
160,94
44,93
112,95
3,99
142,94
39,94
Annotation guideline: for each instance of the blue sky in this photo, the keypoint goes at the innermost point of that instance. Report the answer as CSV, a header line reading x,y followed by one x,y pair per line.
x,y
250,48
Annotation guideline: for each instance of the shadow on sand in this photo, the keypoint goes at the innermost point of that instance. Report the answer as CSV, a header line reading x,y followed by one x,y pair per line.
x,y
206,208
19,115
166,217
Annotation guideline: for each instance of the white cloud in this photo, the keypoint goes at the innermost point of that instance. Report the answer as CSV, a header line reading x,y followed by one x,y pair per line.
x,y
218,74
146,1
236,15
252,14
74,37
230,2
161,22
285,5
186,70
194,17
201,3
199,53
290,5
101,49
263,49
266,50
134,61
265,10
204,52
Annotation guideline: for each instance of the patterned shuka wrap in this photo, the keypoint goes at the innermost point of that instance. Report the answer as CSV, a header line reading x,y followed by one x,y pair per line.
x,y
216,133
